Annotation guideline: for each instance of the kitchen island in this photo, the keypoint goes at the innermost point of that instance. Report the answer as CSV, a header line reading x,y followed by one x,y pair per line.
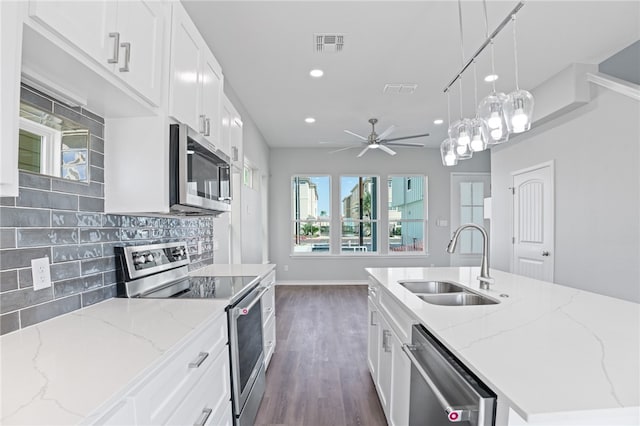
x,y
553,354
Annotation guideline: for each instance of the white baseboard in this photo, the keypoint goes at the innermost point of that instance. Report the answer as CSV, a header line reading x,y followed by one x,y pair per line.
x,y
328,282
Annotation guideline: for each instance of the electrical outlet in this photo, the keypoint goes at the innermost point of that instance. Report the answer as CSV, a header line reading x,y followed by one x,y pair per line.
x,y
41,273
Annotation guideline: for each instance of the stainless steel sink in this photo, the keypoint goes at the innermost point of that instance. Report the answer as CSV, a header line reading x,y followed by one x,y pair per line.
x,y
457,299
431,287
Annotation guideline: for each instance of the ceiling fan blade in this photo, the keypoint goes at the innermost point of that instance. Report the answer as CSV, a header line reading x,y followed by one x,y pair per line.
x,y
421,145
387,150
342,149
356,135
387,132
363,151
406,137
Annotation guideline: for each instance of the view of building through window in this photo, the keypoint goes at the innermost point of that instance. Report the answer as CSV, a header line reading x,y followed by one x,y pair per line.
x,y
359,221
310,198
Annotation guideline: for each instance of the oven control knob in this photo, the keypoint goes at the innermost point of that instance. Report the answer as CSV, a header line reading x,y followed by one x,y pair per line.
x,y
139,260
149,257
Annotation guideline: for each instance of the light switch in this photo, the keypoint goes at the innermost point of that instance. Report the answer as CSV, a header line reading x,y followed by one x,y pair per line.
x,y
40,273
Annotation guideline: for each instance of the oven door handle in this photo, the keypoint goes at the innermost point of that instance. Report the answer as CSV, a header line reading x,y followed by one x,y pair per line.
x,y
244,311
454,414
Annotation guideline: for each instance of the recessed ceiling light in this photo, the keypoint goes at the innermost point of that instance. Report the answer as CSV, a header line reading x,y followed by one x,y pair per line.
x,y
316,73
438,121
310,120
491,78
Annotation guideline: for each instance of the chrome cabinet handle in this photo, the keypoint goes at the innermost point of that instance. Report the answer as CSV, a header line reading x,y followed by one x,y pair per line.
x,y
207,126
545,253
385,340
203,125
204,416
116,48
127,56
269,309
454,414
198,361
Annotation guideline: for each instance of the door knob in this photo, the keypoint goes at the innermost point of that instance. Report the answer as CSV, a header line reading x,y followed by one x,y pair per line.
x,y
545,253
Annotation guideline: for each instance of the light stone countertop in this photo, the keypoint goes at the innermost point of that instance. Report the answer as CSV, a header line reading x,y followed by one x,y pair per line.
x,y
63,370
240,270
557,354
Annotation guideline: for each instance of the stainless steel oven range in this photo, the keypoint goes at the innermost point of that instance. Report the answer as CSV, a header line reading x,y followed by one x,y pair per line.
x,y
161,271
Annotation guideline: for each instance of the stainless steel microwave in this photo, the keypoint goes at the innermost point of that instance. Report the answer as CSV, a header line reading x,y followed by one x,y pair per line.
x,y
200,175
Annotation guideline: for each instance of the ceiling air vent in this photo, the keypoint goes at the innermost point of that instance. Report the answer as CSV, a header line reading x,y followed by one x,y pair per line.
x,y
329,42
399,88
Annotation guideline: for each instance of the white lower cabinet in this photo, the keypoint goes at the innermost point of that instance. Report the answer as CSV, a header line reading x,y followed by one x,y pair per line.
x,y
191,387
390,367
269,317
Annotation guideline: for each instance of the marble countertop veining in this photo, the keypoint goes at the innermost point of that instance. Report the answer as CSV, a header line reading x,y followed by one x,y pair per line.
x,y
553,351
63,370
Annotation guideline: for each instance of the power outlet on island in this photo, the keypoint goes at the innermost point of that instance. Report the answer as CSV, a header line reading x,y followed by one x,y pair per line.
x,y
40,273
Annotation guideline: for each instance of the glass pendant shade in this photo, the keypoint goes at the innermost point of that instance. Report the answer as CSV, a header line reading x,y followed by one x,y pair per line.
x,y
491,111
460,133
518,111
479,135
448,153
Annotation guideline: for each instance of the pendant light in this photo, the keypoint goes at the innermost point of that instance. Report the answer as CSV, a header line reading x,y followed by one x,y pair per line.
x,y
491,107
447,147
460,131
518,108
479,129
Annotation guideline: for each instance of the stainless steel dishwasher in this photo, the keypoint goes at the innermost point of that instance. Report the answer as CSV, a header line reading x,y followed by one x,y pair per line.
x,y
443,390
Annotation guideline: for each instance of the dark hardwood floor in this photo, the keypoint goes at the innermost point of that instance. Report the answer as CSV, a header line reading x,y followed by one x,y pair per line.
x,y
318,374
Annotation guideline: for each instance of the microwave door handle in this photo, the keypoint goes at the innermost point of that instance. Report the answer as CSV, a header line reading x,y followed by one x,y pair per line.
x,y
454,414
182,163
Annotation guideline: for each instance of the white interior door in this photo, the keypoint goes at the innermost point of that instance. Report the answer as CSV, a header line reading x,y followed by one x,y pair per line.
x,y
533,222
468,191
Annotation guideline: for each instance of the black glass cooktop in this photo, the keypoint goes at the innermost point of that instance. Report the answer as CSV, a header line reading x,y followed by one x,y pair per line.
x,y
206,288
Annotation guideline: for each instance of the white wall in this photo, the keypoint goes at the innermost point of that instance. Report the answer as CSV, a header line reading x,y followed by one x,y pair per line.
x,y
288,162
256,151
597,187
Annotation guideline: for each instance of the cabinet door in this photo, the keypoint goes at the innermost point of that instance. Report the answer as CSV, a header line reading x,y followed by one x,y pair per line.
x,y
211,82
185,68
384,365
86,24
141,24
400,383
226,118
372,342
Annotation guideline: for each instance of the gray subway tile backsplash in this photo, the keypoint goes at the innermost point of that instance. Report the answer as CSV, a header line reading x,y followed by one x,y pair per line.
x,y
39,313
66,221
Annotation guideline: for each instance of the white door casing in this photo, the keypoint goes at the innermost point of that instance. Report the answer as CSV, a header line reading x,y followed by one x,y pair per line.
x,y
533,222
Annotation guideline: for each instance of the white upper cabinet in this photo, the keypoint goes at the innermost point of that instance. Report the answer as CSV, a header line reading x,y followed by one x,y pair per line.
x,y
231,132
126,37
196,79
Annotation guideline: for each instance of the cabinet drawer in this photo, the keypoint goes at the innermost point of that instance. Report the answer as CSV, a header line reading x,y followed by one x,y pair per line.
x,y
159,396
268,304
223,417
399,319
210,394
269,333
269,280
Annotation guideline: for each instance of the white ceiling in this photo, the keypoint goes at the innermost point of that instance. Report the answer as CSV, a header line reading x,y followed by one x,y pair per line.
x,y
266,50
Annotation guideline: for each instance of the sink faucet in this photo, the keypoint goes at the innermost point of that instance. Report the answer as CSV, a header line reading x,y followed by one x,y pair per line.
x,y
484,278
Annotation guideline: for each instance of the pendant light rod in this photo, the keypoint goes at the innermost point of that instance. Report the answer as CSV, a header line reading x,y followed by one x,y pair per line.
x,y
489,39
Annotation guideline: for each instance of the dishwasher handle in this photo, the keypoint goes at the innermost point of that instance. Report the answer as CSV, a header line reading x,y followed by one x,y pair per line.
x,y
454,414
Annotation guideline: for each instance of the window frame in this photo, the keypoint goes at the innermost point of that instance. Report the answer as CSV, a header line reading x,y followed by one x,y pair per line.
x,y
425,213
375,239
293,220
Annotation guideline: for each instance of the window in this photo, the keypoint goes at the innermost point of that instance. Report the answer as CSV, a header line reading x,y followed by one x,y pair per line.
x,y
471,211
359,217
407,214
310,200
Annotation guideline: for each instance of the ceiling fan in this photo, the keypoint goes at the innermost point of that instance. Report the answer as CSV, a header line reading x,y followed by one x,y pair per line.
x,y
380,141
